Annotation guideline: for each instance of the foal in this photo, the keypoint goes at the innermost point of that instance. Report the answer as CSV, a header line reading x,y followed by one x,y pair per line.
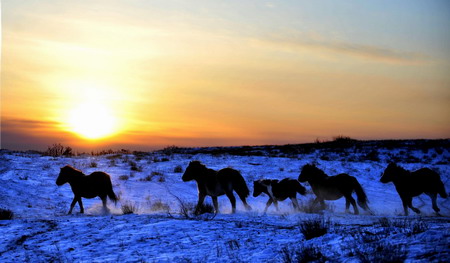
x,y
278,191
88,186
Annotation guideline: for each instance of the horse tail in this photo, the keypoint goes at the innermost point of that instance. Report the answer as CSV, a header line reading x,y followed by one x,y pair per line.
x,y
239,184
112,196
441,189
361,195
299,187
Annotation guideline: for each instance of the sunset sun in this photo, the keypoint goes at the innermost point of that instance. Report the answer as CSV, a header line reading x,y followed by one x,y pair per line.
x,y
92,121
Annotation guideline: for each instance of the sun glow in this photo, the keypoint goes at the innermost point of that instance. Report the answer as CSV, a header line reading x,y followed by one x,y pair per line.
x,y
92,121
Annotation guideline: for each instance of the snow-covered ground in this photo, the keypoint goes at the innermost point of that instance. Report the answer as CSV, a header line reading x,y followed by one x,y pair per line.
x,y
41,230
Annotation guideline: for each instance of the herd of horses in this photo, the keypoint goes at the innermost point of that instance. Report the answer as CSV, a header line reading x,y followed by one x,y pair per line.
x,y
226,181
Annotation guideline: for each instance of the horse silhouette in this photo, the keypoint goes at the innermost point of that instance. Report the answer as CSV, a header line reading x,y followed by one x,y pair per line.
x,y
278,191
334,187
410,184
217,183
87,186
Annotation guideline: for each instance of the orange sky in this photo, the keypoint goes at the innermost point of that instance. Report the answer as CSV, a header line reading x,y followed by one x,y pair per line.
x,y
147,74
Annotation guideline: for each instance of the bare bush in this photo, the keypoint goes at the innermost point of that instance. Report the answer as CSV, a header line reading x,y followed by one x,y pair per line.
x,y
135,167
178,169
412,227
124,177
6,214
381,251
129,208
159,205
302,254
315,227
57,149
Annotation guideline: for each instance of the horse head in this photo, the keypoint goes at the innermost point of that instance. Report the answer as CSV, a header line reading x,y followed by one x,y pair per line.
x,y
310,172
192,171
390,173
258,188
65,174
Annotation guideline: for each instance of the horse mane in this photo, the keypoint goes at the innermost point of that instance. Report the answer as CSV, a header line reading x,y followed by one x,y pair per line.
x,y
198,164
402,170
73,170
317,171
266,182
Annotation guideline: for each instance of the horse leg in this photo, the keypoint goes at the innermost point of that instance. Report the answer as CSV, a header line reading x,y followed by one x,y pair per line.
x,y
105,208
317,200
407,202
351,200
405,205
216,204
275,203
433,197
242,197
269,202
72,205
230,196
201,198
322,204
412,207
347,206
81,205
295,203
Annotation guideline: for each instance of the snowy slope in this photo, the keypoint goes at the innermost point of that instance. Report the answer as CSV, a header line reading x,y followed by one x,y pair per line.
x,y
157,232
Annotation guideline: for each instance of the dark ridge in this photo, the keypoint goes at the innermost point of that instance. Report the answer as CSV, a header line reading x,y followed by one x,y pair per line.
x,y
338,145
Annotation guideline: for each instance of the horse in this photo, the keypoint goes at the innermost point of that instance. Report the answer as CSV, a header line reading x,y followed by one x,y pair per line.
x,y
217,183
87,186
334,187
410,184
278,191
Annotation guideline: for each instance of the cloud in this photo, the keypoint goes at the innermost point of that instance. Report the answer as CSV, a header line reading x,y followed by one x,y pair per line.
x,y
368,52
18,124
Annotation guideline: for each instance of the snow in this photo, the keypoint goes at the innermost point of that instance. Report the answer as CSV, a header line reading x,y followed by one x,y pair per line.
x,y
41,230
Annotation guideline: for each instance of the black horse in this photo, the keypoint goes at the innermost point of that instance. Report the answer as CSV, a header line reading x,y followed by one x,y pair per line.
x,y
217,183
278,191
410,184
334,187
87,186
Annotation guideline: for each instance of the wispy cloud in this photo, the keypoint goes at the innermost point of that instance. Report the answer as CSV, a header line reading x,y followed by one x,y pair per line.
x,y
28,124
369,52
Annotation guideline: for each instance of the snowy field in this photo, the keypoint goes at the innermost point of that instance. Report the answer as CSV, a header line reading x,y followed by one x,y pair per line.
x,y
150,184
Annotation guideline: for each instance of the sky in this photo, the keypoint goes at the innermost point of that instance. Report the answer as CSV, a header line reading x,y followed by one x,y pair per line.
x,y
147,74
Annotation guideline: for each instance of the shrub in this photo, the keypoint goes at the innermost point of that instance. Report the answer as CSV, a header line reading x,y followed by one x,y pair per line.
x,y
123,177
169,150
412,227
148,178
178,169
316,227
161,179
384,222
93,165
159,206
129,208
135,167
6,214
303,254
203,209
381,251
57,149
